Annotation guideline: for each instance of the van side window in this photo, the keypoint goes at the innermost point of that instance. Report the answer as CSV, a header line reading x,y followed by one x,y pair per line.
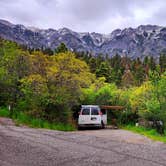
x,y
85,111
94,111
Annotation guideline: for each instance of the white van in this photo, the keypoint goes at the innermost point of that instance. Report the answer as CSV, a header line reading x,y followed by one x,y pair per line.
x,y
92,115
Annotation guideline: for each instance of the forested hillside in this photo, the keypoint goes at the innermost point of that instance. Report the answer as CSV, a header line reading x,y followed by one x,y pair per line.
x,y
49,84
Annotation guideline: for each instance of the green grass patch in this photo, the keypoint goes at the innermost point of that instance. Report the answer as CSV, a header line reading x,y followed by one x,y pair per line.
x,y
21,118
4,112
150,133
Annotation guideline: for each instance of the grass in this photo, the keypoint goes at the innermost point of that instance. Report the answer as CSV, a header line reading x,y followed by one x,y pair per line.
x,y
21,118
4,112
150,133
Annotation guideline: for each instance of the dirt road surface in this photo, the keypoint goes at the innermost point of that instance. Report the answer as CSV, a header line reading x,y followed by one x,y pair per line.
x,y
23,146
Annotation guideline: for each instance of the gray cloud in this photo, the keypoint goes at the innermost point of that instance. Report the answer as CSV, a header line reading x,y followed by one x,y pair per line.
x,y
84,15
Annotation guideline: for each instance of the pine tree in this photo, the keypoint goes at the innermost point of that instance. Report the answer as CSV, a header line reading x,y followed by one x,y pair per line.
x,y
61,49
104,70
162,62
93,64
127,78
47,51
152,64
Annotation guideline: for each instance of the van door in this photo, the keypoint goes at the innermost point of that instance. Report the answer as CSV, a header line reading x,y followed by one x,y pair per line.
x,y
95,115
84,117
104,116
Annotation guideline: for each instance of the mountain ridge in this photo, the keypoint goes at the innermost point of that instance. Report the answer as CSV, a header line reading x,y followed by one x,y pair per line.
x,y
133,42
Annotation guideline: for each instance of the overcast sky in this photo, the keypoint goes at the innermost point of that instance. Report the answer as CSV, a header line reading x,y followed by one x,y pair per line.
x,y
84,15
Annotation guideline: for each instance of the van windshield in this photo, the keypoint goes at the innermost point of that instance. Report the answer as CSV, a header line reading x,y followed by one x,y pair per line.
x,y
94,111
85,111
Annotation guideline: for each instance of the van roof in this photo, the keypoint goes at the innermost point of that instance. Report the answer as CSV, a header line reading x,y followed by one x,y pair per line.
x,y
89,106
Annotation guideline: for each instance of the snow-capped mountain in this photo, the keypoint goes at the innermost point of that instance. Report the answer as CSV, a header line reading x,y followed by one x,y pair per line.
x,y
138,42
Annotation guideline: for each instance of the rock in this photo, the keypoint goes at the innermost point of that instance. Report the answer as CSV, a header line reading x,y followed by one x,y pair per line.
x,y
141,41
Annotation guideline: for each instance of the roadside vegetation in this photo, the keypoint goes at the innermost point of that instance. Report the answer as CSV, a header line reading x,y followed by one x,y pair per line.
x,y
44,87
148,132
21,118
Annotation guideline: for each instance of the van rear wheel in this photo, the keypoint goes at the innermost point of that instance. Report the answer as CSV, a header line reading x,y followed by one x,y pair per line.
x,y
79,128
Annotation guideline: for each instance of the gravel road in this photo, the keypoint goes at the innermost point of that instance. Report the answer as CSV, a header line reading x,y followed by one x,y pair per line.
x,y
22,146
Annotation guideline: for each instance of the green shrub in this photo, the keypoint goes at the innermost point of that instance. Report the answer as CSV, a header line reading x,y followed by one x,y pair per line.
x,y
4,112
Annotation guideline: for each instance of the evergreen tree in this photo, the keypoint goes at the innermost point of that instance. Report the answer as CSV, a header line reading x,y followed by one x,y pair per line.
x,y
146,62
104,70
93,64
152,63
139,72
48,51
61,49
127,78
162,62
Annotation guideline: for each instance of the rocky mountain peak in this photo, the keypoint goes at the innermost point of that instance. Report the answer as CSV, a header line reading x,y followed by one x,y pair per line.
x,y
7,23
135,42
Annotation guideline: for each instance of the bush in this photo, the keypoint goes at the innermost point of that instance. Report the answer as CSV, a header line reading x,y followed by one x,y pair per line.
x,y
105,95
4,112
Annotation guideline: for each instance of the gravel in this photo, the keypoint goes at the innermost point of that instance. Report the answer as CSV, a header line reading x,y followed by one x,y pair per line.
x,y
23,146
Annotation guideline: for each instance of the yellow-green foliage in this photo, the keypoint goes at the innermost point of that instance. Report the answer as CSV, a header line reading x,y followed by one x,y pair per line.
x,y
49,86
138,96
100,93
147,100
41,85
35,84
155,103
67,76
66,69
